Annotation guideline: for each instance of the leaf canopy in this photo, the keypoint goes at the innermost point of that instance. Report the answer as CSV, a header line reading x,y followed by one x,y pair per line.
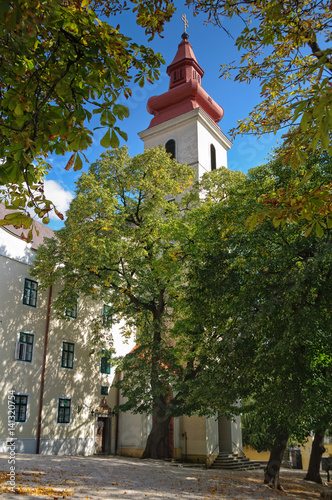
x,y
256,311
121,245
61,62
286,47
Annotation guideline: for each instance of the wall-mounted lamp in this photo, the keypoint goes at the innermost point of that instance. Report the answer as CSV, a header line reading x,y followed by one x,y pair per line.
x,y
80,408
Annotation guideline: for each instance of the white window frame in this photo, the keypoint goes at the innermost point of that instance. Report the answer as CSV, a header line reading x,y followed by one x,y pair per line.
x,y
24,344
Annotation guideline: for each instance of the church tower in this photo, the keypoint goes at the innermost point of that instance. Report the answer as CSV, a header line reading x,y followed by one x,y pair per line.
x,y
185,117
185,120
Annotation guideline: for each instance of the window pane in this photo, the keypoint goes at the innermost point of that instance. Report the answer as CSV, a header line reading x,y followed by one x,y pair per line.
x,y
64,411
72,313
21,408
105,365
30,292
21,354
28,354
67,358
25,347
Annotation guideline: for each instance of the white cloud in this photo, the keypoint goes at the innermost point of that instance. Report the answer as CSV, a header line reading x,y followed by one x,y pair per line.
x,y
60,197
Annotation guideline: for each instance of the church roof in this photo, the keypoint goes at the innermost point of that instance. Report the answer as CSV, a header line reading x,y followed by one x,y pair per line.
x,y
185,54
185,89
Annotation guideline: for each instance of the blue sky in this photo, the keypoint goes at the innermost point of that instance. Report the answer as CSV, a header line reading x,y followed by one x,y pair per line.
x,y
212,47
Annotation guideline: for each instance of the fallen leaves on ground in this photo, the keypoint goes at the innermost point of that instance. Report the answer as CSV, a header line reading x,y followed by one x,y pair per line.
x,y
20,489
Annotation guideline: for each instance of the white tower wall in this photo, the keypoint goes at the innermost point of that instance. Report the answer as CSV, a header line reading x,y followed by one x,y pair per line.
x,y
193,133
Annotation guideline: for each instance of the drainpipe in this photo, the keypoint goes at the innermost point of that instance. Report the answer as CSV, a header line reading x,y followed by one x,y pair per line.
x,y
117,418
42,382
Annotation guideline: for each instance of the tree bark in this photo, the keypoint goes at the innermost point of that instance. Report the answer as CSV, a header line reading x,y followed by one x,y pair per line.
x,y
271,475
317,451
157,442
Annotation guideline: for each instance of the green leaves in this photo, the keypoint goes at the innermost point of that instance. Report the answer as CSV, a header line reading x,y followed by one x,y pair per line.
x,y
106,140
55,59
280,50
18,111
110,140
78,163
122,246
256,313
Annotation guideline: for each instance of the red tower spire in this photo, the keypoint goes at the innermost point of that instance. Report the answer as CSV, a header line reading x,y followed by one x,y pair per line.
x,y
185,89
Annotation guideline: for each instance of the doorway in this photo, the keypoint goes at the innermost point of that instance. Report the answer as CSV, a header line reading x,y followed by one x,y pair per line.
x,y
103,437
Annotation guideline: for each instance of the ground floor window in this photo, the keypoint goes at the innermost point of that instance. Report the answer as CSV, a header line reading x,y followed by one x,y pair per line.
x,y
21,404
64,407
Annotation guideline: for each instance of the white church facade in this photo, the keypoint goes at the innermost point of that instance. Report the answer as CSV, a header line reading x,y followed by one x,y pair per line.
x,y
60,396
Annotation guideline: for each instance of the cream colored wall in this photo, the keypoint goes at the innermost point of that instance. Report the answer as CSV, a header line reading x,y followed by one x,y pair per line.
x,y
306,450
82,384
15,317
255,455
236,434
305,453
212,435
328,448
133,429
195,430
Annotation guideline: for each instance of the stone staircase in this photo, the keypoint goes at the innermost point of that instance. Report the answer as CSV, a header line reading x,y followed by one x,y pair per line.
x,y
234,461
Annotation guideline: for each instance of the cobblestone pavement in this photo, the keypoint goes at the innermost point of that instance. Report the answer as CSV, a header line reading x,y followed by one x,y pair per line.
x,y
109,477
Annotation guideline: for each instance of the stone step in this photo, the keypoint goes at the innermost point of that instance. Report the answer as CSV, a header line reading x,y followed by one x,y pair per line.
x,y
234,461
227,461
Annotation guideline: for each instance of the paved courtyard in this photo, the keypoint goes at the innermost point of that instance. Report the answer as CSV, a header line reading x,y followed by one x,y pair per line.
x,y
92,478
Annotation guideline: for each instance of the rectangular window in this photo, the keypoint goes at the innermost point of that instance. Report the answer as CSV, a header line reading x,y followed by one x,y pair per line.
x,y
105,363
30,292
64,411
24,347
21,403
72,311
107,316
104,390
67,358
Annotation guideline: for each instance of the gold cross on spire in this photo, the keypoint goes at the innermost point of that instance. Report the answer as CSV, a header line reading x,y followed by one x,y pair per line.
x,y
185,22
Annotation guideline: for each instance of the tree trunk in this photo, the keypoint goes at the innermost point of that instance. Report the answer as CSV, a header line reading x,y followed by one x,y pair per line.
x,y
157,442
317,451
271,476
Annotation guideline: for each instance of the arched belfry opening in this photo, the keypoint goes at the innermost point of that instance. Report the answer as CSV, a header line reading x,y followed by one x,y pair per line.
x,y
170,148
213,158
